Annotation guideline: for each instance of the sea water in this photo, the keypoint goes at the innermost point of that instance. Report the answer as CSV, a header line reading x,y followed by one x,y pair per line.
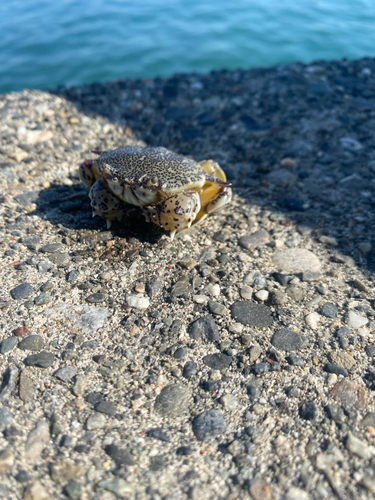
x,y
46,43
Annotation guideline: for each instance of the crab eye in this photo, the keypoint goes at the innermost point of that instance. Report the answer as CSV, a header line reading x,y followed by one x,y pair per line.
x,y
115,179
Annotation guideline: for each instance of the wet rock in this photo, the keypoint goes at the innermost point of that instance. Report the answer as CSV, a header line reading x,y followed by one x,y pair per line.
x,y
332,368
189,370
158,434
208,424
106,407
329,310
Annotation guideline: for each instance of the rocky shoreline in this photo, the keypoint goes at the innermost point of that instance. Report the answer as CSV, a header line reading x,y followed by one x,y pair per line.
x,y
236,362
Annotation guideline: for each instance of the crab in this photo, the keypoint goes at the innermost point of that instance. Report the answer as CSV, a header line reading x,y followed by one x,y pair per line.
x,y
174,192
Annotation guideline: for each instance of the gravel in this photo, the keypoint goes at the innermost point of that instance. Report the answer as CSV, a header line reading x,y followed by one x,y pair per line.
x,y
253,331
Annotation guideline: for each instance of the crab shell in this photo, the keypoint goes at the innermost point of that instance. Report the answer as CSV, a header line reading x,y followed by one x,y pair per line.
x,y
173,191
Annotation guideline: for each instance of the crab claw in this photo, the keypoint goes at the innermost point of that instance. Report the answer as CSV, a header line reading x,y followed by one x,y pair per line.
x,y
97,152
172,234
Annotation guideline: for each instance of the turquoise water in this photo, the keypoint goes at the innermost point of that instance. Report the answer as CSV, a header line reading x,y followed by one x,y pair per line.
x,y
44,43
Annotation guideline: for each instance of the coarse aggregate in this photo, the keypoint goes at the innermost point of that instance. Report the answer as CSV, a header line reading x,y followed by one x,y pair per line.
x,y
236,362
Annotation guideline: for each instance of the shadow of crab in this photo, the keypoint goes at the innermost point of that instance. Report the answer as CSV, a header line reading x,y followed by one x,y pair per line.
x,y
69,207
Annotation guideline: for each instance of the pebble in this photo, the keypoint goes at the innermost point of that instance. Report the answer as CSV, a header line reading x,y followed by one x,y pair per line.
x,y
296,260
26,388
217,308
72,276
329,310
213,290
138,302
312,320
260,490
106,407
277,298
73,489
295,292
230,402
38,136
342,359
252,241
95,298
31,343
158,434
58,258
5,418
200,299
246,292
95,421
288,340
262,295
190,369
247,313
8,344
118,486
173,401
310,276
6,461
255,353
368,420
355,320
308,411
21,291
357,447
36,441
337,370
349,394
36,491
217,361
154,287
180,353
42,299
65,374
204,328
121,456
42,359
62,471
31,242
281,278
208,424
44,266
51,248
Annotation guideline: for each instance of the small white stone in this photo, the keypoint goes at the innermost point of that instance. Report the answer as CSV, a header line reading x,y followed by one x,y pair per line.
x,y
355,320
96,421
358,447
229,402
36,491
244,257
332,379
246,292
38,136
138,301
312,320
213,290
236,328
200,299
262,295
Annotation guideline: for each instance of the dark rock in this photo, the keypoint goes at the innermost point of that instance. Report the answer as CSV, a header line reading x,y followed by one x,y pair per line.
x,y
94,398
158,434
180,353
332,368
329,310
58,258
211,385
281,278
154,287
249,313
217,361
308,411
295,361
31,343
185,451
119,455
72,276
335,412
204,328
288,340
106,407
21,291
189,369
42,299
208,424
369,349
95,298
66,373
8,344
42,359
32,242
51,248
173,401
261,368
73,490
25,199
